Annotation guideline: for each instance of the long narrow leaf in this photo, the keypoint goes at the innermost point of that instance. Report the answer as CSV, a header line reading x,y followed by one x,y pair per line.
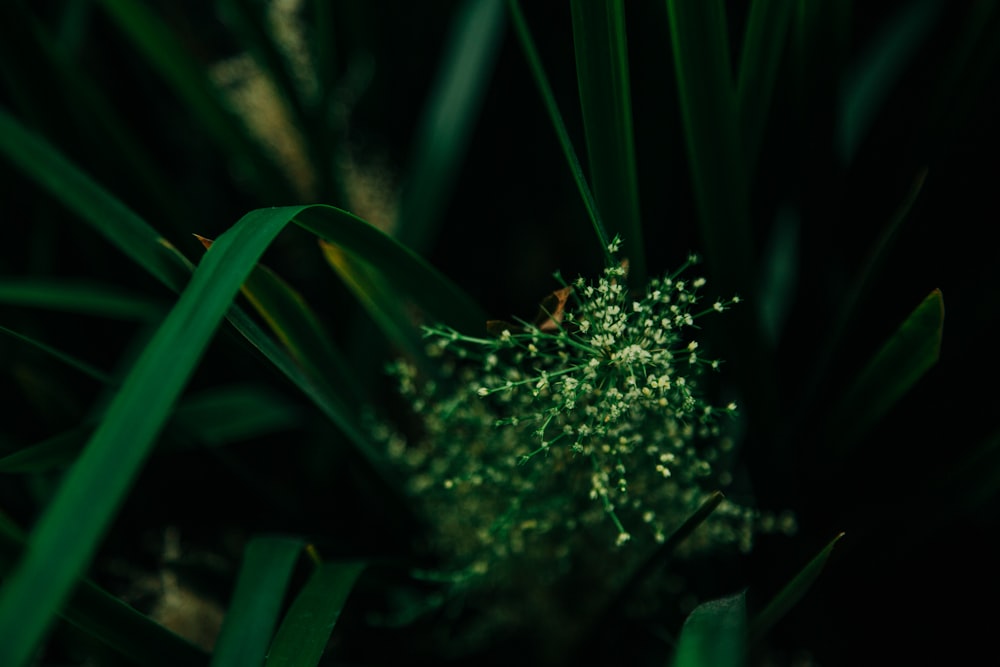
x,y
548,98
385,308
65,539
256,604
708,102
300,331
109,620
790,595
909,353
78,192
79,297
606,101
447,121
306,629
714,634
763,43
73,362
188,78
871,79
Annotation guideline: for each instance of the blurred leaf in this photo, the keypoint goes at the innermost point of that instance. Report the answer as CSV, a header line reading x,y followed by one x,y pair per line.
x,y
256,604
87,369
779,275
872,77
164,51
545,90
55,452
234,413
790,595
711,130
306,628
64,539
639,579
447,121
383,306
896,367
300,331
714,634
62,101
79,296
109,620
100,478
78,192
764,42
606,100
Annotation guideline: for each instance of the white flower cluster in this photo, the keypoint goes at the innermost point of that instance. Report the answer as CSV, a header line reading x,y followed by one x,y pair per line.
x,y
548,430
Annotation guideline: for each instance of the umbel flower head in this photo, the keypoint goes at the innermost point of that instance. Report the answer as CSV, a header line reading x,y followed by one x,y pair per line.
x,y
582,430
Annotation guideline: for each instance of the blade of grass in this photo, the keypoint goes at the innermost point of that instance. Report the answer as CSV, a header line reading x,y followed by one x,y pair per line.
x,y
298,328
64,539
253,613
306,628
790,595
606,100
109,620
902,360
714,634
167,56
140,242
79,296
709,107
642,575
548,98
383,307
234,413
709,113
448,118
78,192
213,418
870,80
764,41
68,359
55,556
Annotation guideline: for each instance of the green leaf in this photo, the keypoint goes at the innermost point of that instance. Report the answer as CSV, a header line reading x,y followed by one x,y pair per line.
x,y
709,110
68,359
714,634
55,452
79,296
306,629
902,360
78,192
790,595
764,42
188,78
109,620
56,557
606,100
447,121
64,539
254,610
234,413
384,307
871,78
298,328
642,576
548,98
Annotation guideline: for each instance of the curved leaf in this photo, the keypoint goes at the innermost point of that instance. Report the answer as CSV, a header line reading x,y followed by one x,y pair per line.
x,y
714,634
306,628
606,101
902,360
256,604
789,596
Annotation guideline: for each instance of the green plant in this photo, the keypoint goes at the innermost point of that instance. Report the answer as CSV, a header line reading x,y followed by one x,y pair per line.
x,y
749,163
